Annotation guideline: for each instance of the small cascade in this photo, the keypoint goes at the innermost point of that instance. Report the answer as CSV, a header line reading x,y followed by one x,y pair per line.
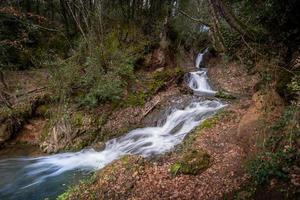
x,y
200,59
198,82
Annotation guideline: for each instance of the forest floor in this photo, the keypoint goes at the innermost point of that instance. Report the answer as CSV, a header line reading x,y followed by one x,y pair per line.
x,y
229,138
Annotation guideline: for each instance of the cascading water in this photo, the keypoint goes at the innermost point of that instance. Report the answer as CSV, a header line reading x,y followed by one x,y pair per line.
x,y
199,60
198,82
41,177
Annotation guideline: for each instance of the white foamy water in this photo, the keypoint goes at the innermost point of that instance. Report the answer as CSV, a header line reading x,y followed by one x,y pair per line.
x,y
199,58
27,176
198,81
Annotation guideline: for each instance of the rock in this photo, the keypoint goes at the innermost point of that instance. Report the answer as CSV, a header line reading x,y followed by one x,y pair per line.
x,y
193,162
100,146
159,69
5,134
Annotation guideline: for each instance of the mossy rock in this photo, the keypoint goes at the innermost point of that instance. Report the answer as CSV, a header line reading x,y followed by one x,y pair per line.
x,y
222,94
193,163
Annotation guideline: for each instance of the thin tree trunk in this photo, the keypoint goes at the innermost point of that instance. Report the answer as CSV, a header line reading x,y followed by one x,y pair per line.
x,y
216,33
220,7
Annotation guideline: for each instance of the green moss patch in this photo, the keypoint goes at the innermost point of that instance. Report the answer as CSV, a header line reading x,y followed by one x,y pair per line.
x,y
224,95
193,163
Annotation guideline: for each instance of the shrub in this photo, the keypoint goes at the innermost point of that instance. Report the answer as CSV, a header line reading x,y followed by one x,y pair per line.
x,y
271,165
107,88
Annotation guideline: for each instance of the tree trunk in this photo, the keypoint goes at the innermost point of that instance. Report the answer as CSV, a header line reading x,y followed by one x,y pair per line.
x,y
220,7
218,41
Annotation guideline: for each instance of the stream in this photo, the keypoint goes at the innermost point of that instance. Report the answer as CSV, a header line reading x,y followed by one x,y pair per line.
x,y
48,176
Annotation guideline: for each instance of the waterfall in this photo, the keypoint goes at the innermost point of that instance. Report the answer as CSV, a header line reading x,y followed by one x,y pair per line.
x,y
36,178
198,82
199,60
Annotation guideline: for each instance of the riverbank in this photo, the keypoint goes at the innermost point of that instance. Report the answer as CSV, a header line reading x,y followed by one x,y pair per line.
x,y
178,119
229,138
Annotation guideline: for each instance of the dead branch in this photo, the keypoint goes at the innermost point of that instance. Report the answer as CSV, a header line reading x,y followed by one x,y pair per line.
x,y
151,108
5,99
194,19
31,91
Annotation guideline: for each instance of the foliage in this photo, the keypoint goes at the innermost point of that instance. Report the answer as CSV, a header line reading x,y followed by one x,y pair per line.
x,y
25,43
107,88
270,12
280,154
272,165
98,76
294,85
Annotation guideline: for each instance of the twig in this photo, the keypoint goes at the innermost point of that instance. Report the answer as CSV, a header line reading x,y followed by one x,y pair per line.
x,y
5,99
31,91
10,96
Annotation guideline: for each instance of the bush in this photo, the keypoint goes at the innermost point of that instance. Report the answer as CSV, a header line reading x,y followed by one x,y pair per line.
x,y
107,88
271,165
281,150
96,74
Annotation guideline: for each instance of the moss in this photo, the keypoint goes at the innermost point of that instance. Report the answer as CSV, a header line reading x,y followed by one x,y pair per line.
x,y
224,95
67,194
77,119
193,163
208,123
175,168
138,99
122,172
155,85
159,78
43,110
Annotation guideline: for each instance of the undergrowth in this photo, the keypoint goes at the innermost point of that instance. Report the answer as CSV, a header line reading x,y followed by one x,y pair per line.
x,y
279,160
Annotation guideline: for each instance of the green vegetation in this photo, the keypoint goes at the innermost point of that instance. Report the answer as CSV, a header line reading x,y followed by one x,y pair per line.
x,y
192,162
224,95
98,57
272,165
279,158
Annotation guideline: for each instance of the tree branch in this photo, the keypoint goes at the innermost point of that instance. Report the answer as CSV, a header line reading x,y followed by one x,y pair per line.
x,y
194,19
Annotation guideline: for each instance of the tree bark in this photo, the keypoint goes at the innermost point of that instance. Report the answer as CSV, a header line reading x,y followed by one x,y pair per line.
x,y
218,40
220,7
